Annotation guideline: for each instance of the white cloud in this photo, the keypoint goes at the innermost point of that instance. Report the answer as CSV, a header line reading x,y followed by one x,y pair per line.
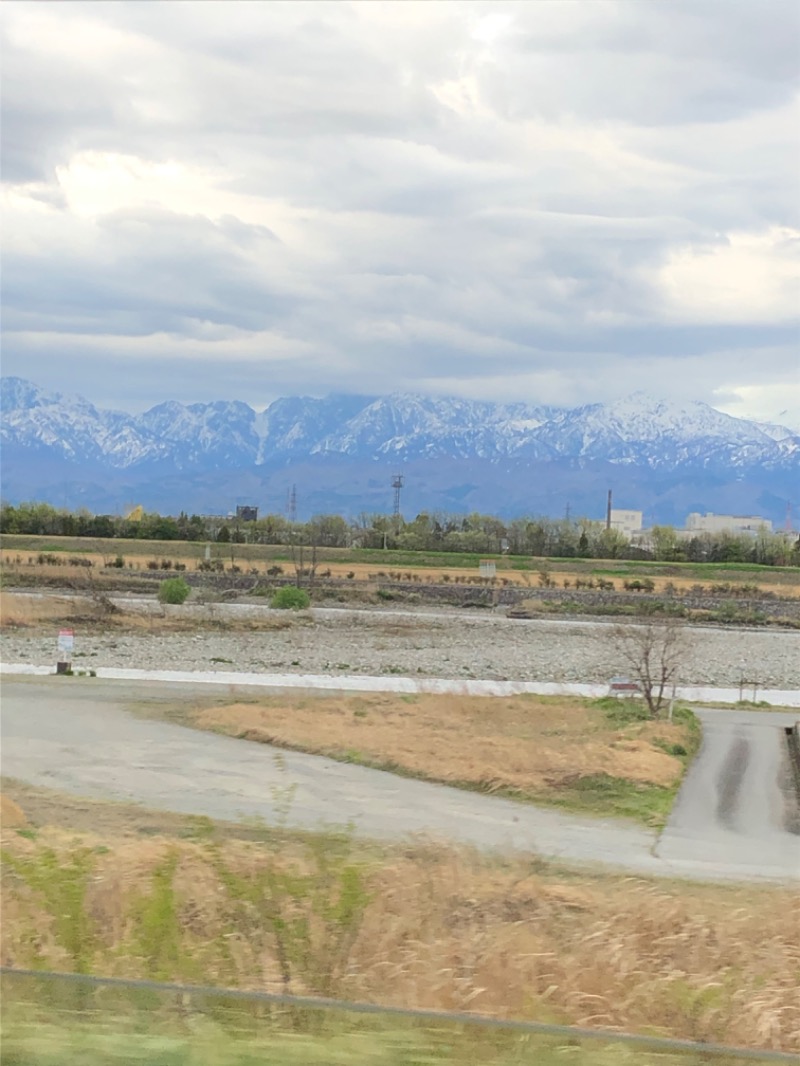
x,y
564,198
747,277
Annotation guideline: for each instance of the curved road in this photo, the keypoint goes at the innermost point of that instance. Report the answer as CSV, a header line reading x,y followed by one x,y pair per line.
x,y
731,821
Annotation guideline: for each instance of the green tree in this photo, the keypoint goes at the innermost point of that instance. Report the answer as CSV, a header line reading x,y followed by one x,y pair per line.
x,y
665,542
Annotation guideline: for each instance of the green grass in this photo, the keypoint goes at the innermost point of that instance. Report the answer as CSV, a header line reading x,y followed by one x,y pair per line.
x,y
161,1032
602,795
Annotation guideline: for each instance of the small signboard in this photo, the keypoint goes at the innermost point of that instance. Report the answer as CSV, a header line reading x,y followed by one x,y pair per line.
x,y
624,686
66,642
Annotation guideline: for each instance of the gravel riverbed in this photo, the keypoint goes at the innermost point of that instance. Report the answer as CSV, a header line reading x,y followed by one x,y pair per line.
x,y
418,644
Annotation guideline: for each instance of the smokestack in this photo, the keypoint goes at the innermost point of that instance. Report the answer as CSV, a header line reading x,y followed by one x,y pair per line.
x,y
608,511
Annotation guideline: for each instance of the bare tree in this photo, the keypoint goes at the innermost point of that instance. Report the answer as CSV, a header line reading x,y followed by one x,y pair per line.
x,y
304,557
653,653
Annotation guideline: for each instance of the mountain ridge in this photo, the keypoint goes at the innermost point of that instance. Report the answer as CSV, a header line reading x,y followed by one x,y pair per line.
x,y
660,442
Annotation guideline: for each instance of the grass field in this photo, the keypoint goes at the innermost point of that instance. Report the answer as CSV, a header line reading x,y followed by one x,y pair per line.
x,y
220,1035
602,757
223,1033
365,564
144,894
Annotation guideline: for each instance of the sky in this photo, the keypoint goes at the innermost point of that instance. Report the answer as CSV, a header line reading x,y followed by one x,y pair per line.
x,y
559,201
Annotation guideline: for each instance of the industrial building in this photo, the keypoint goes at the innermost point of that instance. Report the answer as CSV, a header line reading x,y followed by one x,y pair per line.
x,y
727,523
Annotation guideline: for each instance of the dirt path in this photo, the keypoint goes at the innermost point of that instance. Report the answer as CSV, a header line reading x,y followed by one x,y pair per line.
x,y
78,737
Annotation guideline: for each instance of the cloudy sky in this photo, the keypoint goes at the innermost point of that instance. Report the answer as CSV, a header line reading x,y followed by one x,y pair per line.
x,y
560,201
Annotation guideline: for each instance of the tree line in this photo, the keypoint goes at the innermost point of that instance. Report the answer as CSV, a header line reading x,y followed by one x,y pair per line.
x,y
436,532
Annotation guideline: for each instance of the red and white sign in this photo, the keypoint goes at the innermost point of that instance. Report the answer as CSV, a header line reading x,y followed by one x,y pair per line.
x,y
66,642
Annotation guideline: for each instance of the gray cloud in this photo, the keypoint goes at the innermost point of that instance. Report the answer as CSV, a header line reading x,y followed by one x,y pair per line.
x,y
475,197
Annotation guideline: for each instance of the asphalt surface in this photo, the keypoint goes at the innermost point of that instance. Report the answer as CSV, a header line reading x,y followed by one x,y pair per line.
x,y
731,821
738,803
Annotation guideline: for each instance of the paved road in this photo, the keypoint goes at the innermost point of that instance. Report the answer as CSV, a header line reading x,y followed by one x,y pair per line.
x,y
77,736
738,796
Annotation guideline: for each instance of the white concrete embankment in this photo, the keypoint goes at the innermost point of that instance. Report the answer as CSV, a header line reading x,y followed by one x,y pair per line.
x,y
352,683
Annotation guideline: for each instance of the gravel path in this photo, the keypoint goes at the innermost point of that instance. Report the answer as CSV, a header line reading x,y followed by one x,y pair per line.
x,y
421,644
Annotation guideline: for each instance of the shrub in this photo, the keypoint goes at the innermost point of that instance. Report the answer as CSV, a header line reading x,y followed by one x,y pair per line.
x,y
290,598
639,584
173,590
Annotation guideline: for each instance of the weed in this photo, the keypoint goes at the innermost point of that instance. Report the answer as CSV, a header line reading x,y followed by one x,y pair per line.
x,y
62,881
311,908
623,711
157,935
200,827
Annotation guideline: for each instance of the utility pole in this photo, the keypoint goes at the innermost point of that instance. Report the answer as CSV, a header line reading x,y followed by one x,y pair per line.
x,y
608,511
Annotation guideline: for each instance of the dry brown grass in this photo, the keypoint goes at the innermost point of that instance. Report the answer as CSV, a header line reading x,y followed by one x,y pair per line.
x,y
523,744
12,815
24,611
28,612
367,572
447,929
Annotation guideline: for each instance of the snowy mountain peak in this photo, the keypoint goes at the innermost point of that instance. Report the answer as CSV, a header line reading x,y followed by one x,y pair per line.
x,y
638,432
17,394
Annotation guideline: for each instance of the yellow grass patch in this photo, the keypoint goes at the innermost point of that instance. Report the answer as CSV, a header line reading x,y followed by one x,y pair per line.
x,y
12,815
521,743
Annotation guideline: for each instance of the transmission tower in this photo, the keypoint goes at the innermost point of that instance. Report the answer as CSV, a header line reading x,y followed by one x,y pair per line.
x,y
291,507
397,484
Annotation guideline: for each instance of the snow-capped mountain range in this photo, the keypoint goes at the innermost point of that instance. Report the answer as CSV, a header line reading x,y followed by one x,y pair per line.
x,y
459,453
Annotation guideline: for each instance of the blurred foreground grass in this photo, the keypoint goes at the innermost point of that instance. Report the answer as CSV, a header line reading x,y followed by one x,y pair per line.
x,y
118,1027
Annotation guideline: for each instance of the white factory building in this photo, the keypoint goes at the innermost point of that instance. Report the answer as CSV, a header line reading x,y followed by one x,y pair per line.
x,y
727,523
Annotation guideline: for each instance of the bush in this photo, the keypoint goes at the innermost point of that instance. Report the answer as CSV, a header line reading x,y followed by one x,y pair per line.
x,y
290,598
173,590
